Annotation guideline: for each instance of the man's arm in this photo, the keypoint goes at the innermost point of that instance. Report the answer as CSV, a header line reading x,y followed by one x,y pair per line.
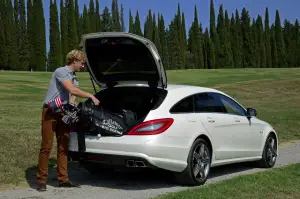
x,y
64,78
69,86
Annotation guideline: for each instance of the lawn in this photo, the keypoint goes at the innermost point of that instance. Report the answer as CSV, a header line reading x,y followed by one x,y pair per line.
x,y
279,183
275,93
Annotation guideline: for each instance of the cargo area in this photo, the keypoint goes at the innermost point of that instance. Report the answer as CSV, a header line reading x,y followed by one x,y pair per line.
x,y
138,99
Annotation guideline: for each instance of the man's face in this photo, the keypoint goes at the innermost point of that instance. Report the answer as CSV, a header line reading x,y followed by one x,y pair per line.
x,y
79,65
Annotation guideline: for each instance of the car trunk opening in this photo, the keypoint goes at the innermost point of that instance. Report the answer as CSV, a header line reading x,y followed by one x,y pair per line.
x,y
123,58
139,101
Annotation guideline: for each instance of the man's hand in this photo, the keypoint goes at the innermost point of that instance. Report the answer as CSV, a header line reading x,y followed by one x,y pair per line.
x,y
95,100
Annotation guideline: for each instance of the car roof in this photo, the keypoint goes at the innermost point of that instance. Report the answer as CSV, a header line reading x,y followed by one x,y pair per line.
x,y
189,88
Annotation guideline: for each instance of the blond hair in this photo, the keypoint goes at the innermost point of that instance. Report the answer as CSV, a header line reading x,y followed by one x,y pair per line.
x,y
75,55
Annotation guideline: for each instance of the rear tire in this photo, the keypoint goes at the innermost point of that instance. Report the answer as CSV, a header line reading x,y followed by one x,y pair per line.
x,y
198,167
269,155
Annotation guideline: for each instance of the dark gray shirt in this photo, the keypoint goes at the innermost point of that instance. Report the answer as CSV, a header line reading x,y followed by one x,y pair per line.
x,y
55,88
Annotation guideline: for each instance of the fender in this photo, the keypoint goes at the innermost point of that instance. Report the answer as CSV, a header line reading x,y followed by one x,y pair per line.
x,y
266,131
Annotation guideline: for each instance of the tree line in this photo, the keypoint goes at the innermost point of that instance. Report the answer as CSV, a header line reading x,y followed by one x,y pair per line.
x,y
231,41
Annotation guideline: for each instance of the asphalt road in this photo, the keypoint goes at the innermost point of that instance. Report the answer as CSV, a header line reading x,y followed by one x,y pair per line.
x,y
141,184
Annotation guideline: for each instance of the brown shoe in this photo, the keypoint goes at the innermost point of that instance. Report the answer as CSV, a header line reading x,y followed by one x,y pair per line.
x,y
68,184
41,187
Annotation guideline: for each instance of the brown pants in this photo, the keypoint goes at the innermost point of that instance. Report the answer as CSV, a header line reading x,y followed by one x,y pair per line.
x,y
50,124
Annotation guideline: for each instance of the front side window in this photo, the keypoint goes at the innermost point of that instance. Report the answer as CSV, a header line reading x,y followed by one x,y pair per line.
x,y
231,106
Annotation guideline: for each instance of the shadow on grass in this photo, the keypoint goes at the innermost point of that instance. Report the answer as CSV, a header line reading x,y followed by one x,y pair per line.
x,y
125,179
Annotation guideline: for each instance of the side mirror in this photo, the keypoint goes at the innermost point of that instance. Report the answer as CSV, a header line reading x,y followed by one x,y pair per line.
x,y
251,112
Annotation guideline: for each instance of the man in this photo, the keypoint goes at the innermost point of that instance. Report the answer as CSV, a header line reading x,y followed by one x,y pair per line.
x,y
63,84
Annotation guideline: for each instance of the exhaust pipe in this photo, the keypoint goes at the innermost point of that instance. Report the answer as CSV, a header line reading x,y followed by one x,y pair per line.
x,y
140,164
132,163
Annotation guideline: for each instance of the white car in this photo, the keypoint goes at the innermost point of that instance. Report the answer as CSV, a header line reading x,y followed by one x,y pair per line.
x,y
179,128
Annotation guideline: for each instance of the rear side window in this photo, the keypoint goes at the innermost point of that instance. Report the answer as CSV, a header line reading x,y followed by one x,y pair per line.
x,y
186,105
208,103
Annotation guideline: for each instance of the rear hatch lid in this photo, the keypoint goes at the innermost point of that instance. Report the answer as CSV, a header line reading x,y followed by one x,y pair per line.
x,y
115,58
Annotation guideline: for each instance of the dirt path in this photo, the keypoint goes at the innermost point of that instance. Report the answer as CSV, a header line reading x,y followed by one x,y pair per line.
x,y
136,185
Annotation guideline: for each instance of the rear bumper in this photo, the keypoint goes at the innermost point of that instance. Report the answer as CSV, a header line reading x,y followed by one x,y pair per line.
x,y
156,151
108,160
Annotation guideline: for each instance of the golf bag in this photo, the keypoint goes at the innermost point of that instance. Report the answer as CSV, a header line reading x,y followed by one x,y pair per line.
x,y
95,120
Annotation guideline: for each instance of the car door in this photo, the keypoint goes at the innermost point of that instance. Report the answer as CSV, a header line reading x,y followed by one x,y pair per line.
x,y
241,126
212,113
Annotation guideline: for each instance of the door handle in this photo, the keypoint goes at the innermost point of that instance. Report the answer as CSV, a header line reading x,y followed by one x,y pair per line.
x,y
236,120
211,120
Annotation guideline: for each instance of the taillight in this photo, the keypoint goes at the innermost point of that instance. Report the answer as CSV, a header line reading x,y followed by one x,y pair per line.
x,y
151,127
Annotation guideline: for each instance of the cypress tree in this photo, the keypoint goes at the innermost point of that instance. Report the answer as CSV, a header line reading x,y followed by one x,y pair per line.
x,y
122,19
54,58
86,21
77,19
17,23
148,30
267,40
131,24
254,43
296,44
163,41
40,36
173,45
238,41
209,51
281,50
31,34
234,42
72,30
213,34
156,39
137,24
184,41
116,26
97,15
11,37
23,38
287,36
227,43
3,50
246,39
195,43
274,54
106,20
63,30
91,13
261,43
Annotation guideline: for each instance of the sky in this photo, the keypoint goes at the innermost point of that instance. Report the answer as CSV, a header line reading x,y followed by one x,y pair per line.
x,y
288,9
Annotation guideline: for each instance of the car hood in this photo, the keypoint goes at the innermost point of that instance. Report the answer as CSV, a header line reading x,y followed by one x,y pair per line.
x,y
123,58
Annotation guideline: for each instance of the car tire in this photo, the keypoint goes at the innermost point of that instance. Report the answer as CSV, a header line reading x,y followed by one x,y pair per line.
x,y
269,154
201,163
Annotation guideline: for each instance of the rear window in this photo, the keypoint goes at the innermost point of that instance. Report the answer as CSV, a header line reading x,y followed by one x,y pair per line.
x,y
119,55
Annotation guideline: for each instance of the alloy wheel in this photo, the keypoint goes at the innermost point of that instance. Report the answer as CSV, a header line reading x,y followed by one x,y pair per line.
x,y
201,162
271,151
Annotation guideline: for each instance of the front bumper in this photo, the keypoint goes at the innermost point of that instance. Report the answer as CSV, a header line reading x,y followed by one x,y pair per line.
x,y
155,151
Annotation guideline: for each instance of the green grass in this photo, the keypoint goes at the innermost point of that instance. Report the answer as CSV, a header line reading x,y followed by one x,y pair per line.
x,y
275,93
282,183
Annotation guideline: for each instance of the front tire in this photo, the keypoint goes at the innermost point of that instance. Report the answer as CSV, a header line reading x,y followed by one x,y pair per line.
x,y
269,154
199,163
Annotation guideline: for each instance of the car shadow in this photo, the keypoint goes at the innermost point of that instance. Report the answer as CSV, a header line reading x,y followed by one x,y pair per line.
x,y
130,179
